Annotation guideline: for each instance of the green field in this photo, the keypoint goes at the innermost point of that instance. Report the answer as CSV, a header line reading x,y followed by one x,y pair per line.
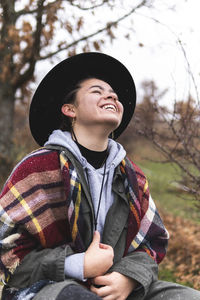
x,y
165,191
163,182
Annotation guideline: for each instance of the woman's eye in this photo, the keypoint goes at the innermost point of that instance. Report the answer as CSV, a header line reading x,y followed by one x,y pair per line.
x,y
96,91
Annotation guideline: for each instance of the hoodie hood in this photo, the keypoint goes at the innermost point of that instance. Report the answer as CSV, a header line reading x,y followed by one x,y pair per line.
x,y
116,152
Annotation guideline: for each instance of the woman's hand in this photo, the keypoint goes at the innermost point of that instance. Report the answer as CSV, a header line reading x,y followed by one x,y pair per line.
x,y
98,258
115,286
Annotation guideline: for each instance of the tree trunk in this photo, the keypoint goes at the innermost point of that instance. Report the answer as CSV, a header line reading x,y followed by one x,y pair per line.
x,y
7,96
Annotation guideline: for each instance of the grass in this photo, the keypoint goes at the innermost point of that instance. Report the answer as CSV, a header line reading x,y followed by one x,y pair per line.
x,y
168,275
162,178
166,194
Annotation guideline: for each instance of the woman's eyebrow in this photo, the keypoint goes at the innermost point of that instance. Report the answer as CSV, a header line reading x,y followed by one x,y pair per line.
x,y
101,88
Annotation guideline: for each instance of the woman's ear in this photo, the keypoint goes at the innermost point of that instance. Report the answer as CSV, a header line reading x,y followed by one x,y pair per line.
x,y
68,110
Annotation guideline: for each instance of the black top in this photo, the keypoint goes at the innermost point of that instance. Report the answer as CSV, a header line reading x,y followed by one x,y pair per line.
x,y
95,158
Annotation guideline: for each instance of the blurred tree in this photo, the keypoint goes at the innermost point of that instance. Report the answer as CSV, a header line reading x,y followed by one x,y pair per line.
x,y
36,30
146,110
175,132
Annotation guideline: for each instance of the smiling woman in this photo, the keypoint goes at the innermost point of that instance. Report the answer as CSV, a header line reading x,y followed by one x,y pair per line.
x,y
95,113
77,220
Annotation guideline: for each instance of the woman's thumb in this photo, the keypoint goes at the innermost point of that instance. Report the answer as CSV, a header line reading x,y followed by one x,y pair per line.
x,y
96,238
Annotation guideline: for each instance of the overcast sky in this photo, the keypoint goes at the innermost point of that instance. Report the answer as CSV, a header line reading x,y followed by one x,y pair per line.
x,y
161,58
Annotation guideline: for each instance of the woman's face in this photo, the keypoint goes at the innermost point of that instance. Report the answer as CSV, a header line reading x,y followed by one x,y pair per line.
x,y
97,104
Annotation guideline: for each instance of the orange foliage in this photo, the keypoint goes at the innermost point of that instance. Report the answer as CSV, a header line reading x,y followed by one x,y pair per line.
x,y
26,27
183,254
13,34
80,23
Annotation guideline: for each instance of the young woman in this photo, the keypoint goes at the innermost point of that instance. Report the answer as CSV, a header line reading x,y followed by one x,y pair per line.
x,y
77,220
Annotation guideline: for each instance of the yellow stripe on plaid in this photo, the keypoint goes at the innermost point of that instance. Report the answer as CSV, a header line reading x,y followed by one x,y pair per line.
x,y
134,213
134,244
146,186
28,210
123,163
4,281
77,207
63,161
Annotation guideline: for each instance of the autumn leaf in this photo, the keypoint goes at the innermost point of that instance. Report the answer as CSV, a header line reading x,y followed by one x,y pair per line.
x,y
26,27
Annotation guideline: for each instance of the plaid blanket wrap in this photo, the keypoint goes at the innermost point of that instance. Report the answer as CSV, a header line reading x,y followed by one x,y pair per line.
x,y
43,189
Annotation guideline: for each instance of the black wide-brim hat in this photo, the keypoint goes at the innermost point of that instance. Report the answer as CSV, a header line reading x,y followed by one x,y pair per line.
x,y
45,110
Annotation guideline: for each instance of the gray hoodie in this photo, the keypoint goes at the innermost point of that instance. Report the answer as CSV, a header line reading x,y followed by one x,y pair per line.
x,y
74,264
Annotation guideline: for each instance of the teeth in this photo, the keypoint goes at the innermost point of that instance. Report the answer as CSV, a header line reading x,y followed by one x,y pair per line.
x,y
109,106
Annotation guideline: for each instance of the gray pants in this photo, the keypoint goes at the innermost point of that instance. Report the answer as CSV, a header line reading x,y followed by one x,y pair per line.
x,y
159,290
162,290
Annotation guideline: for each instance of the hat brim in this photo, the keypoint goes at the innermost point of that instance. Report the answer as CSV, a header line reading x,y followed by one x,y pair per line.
x,y
45,108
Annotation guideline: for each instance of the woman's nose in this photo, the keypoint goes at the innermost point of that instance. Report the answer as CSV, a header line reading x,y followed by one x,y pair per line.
x,y
111,96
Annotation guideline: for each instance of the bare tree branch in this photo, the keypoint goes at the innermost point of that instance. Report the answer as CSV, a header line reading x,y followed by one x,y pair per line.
x,y
24,12
27,11
182,48
35,49
173,159
88,8
175,134
189,69
109,25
